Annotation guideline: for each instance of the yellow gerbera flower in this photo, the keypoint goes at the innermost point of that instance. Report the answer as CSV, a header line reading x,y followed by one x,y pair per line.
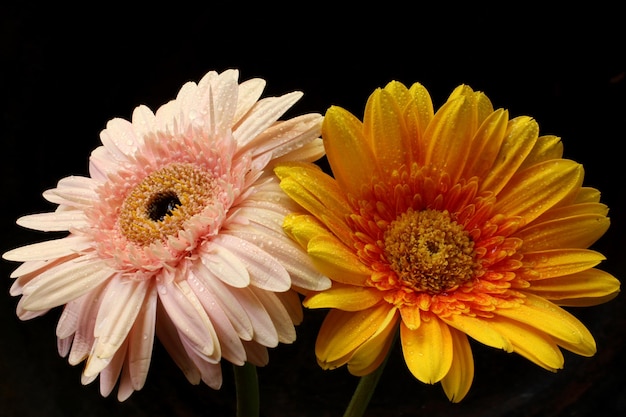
x,y
448,224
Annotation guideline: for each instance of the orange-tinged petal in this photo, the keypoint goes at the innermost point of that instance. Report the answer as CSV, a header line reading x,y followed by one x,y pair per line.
x,y
427,350
520,138
533,191
447,136
424,106
534,345
345,297
411,316
547,147
336,261
480,102
383,125
343,332
572,210
485,144
553,320
586,288
347,149
572,232
371,354
558,262
458,380
587,195
480,330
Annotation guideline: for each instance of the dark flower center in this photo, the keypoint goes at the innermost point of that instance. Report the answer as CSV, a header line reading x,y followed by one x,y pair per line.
x,y
161,205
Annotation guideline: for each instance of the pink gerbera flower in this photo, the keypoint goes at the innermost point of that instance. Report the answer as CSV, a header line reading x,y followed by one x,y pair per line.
x,y
178,231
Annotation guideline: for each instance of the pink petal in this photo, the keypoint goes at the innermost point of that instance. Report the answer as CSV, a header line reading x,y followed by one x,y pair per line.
x,y
189,317
249,93
50,249
278,315
263,327
226,299
54,221
65,282
141,340
265,271
265,112
225,265
73,191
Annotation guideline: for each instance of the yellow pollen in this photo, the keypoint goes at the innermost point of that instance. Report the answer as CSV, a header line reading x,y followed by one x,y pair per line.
x,y
160,204
429,251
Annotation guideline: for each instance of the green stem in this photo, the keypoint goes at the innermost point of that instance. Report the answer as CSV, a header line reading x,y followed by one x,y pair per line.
x,y
247,386
365,389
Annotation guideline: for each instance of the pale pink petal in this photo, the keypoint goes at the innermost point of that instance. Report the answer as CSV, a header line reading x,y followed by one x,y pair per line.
x,y
265,271
143,122
111,373
119,138
249,93
298,264
278,315
168,335
232,349
211,373
226,299
55,221
225,265
188,315
264,330
74,191
292,302
50,249
65,282
141,340
265,112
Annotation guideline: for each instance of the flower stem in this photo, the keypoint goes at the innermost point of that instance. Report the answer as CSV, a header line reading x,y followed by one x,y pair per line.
x,y
247,387
365,389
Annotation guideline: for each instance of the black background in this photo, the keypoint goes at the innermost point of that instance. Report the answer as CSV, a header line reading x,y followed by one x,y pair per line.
x,y
65,71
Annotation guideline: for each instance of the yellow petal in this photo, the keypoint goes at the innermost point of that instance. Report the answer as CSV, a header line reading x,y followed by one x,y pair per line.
x,y
411,316
343,332
383,125
520,138
336,261
558,262
347,149
547,317
478,329
486,144
344,297
585,288
423,106
427,350
458,380
547,147
533,191
530,343
579,231
447,136
587,195
316,192
371,354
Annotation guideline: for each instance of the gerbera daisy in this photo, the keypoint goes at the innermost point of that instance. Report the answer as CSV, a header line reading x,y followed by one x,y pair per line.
x,y
177,231
442,226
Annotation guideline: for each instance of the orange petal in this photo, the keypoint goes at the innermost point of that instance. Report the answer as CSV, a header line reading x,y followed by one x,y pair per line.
x,y
427,350
384,127
458,380
585,288
547,317
485,144
352,161
345,297
479,329
518,141
558,262
447,136
411,316
546,148
533,191
579,231
336,261
343,332
530,343
371,354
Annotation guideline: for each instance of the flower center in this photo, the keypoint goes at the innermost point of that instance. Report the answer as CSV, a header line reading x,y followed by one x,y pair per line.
x,y
429,251
160,205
